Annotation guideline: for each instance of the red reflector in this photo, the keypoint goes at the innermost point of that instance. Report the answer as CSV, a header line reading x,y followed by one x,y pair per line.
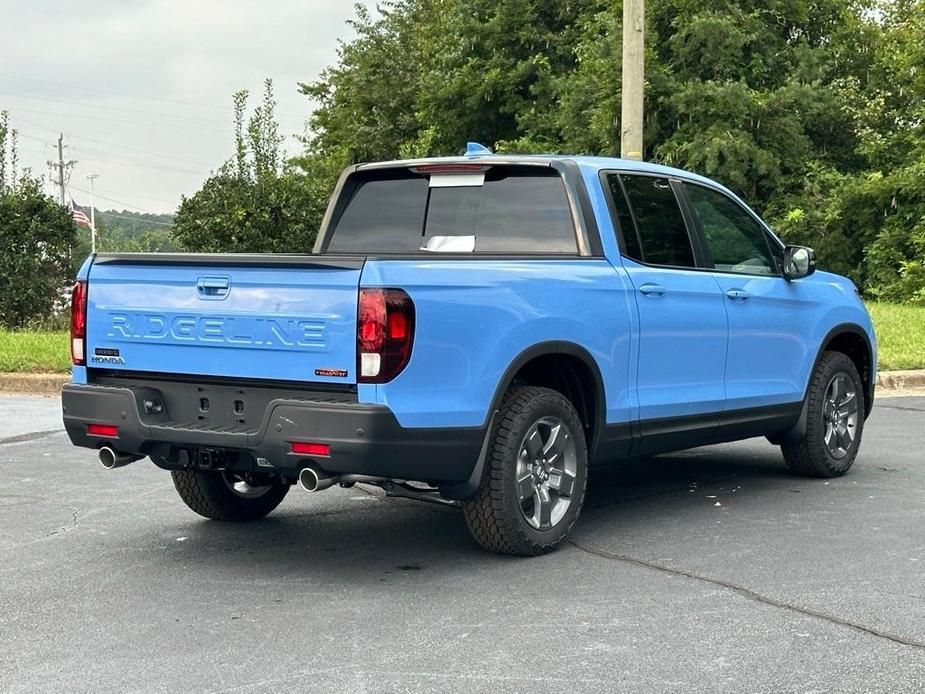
x,y
102,430
303,448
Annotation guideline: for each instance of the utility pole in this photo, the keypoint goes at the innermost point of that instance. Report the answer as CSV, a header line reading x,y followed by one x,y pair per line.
x,y
634,22
61,167
92,177
60,170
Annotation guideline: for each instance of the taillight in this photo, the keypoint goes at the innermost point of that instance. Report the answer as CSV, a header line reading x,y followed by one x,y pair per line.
x,y
385,332
79,323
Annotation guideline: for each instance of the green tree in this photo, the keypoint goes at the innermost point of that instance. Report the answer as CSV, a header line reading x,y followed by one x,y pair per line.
x,y
890,198
36,238
810,109
750,93
870,220
371,104
427,75
253,203
135,232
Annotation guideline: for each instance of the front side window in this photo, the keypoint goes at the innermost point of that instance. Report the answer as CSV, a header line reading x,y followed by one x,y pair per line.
x,y
627,228
662,234
736,241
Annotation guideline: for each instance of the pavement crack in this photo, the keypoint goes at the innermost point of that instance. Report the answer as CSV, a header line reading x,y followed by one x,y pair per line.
x,y
75,523
752,595
900,407
31,436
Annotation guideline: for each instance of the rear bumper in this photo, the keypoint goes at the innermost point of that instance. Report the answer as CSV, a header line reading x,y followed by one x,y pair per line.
x,y
363,439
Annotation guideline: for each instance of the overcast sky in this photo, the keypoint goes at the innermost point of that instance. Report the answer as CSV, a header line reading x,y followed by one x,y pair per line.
x,y
142,89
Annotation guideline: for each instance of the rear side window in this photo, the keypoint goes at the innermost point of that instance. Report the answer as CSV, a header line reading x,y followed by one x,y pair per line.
x,y
382,214
515,210
662,234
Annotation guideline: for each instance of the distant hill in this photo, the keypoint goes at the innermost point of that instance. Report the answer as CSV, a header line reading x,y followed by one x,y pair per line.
x,y
127,224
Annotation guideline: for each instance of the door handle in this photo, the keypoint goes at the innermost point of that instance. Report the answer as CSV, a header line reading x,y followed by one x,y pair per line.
x,y
650,289
737,295
213,287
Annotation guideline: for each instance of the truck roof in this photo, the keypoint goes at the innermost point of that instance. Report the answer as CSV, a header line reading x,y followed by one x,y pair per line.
x,y
584,161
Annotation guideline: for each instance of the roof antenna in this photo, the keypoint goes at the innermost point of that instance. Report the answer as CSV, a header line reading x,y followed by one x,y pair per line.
x,y
474,149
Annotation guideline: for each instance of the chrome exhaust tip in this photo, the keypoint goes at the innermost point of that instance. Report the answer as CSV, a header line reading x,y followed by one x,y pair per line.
x,y
314,479
111,459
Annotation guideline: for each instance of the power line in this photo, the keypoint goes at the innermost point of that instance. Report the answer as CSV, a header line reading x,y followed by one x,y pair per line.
x,y
122,120
115,93
83,104
138,195
139,123
32,150
117,192
136,96
207,167
108,144
118,202
122,159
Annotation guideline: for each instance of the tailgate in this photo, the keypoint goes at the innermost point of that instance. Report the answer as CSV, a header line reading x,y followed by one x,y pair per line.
x,y
287,318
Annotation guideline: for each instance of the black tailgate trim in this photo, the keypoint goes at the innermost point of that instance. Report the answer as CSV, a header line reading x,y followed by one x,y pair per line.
x,y
307,261
126,378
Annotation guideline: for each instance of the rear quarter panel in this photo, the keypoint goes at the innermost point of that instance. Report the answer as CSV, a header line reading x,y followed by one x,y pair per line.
x,y
475,316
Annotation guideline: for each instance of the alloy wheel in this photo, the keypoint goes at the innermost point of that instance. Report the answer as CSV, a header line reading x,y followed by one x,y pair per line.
x,y
546,473
840,415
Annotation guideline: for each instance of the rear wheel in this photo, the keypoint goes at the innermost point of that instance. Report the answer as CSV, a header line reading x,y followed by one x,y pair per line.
x,y
834,420
533,486
228,496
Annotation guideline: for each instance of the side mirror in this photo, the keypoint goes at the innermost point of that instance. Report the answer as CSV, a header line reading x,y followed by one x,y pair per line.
x,y
799,261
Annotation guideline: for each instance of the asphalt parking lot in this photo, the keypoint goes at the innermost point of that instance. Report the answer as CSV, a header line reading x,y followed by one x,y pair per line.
x,y
710,570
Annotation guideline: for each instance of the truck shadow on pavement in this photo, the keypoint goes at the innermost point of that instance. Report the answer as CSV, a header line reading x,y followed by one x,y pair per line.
x,y
363,531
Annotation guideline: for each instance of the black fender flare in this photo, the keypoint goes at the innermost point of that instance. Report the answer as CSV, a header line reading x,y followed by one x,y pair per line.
x,y
798,431
466,489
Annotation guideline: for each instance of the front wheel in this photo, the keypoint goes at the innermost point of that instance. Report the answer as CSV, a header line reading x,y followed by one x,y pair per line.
x,y
227,496
834,420
533,486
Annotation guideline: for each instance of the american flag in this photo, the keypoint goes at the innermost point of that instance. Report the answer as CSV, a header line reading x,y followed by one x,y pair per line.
x,y
80,217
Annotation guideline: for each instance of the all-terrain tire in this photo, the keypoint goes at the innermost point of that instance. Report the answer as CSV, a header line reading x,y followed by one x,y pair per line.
x,y
210,494
811,456
494,514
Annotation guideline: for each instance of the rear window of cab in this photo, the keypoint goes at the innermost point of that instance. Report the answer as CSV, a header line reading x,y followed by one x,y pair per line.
x,y
497,209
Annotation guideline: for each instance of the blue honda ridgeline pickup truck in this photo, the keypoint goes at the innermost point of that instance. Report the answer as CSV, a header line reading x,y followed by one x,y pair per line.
x,y
479,329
